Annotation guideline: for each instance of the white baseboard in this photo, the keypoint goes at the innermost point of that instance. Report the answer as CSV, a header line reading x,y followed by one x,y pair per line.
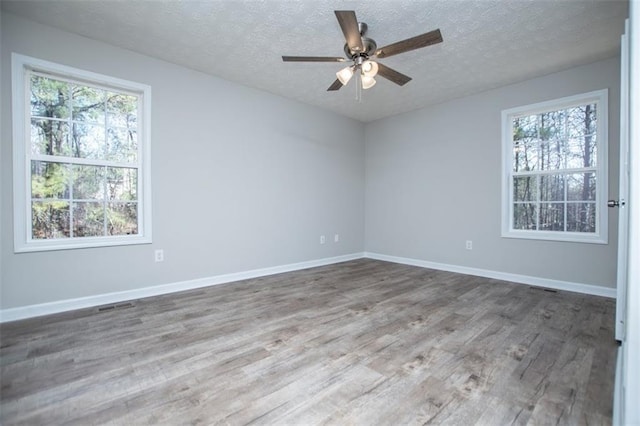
x,y
31,311
595,290
504,276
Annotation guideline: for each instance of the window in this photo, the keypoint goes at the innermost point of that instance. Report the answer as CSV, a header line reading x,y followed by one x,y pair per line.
x,y
555,177
81,158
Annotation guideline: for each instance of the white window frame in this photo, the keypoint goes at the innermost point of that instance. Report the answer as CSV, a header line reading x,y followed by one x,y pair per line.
x,y
600,97
23,241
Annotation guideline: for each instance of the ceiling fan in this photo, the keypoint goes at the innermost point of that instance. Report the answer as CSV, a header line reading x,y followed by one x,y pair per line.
x,y
360,50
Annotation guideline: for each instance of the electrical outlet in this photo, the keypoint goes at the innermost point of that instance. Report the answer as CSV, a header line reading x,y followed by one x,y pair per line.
x,y
159,255
469,245
336,238
322,239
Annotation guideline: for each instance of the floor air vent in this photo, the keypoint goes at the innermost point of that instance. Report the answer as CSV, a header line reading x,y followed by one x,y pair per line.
x,y
108,308
548,290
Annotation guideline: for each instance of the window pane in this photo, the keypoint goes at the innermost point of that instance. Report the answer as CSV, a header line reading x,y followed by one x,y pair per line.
x,y
122,110
49,219
524,216
122,183
581,136
49,180
581,187
525,127
551,154
525,188
49,98
526,146
550,126
581,121
50,137
581,152
88,104
526,155
122,145
88,182
88,219
581,217
122,218
551,217
550,131
88,141
552,188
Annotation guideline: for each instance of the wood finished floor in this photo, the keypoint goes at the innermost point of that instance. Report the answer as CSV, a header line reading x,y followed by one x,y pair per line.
x,y
362,342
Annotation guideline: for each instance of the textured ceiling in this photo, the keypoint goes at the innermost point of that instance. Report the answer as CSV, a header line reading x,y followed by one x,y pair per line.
x,y
487,43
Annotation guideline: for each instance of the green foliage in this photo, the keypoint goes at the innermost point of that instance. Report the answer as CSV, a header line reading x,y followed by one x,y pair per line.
x,y
72,120
122,219
49,97
50,219
49,180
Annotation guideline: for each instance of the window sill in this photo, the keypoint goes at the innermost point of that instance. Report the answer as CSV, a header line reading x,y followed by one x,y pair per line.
x,y
52,245
570,237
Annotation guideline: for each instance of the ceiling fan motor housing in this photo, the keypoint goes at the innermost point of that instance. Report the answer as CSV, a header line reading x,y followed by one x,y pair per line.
x,y
369,45
369,49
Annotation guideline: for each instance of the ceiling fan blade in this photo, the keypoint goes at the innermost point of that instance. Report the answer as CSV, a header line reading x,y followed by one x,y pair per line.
x,y
417,42
336,85
312,59
349,24
393,75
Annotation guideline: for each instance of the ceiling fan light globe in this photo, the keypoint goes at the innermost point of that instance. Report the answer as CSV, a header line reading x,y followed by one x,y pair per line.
x,y
369,68
368,82
344,75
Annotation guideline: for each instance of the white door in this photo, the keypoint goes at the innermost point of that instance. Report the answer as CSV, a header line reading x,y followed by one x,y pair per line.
x,y
623,195
626,410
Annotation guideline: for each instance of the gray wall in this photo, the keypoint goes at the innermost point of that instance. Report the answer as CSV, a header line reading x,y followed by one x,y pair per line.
x,y
242,179
433,180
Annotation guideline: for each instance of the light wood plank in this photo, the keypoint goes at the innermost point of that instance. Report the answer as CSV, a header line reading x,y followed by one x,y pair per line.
x,y
361,342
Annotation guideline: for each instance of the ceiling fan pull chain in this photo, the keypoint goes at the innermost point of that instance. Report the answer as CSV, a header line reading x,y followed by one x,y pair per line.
x,y
358,86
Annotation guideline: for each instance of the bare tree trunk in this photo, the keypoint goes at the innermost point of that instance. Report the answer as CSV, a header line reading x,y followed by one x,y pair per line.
x,y
586,182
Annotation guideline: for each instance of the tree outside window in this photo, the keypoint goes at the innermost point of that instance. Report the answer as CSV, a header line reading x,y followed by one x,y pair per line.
x,y
85,152
555,155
